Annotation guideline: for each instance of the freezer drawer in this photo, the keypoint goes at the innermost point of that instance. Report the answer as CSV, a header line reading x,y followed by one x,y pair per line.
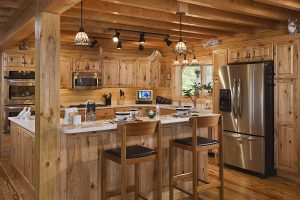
x,y
244,151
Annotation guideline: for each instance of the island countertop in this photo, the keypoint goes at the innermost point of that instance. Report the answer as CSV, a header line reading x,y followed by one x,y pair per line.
x,y
101,125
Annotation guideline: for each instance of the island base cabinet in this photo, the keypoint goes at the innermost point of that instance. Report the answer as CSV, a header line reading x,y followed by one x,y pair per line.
x,y
81,156
22,152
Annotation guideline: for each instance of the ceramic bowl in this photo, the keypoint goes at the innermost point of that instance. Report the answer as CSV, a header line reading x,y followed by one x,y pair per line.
x,y
122,116
182,111
151,115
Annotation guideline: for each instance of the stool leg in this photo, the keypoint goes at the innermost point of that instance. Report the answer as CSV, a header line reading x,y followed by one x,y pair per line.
x,y
137,171
195,175
171,171
123,181
103,178
159,176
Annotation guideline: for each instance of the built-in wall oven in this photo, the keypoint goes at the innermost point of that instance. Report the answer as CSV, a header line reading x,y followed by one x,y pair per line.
x,y
18,92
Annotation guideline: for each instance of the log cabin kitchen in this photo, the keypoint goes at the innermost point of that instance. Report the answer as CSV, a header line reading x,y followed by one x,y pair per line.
x,y
160,99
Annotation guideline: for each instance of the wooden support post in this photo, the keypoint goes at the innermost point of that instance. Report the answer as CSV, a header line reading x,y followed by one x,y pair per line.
x,y
47,135
1,104
176,83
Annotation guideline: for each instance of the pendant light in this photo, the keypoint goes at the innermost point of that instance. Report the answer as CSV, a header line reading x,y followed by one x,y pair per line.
x,y
119,46
142,38
81,38
116,37
180,46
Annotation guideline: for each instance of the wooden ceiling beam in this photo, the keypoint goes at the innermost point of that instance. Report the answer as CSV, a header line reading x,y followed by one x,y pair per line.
x,y
289,4
99,25
92,15
10,3
198,11
142,13
247,7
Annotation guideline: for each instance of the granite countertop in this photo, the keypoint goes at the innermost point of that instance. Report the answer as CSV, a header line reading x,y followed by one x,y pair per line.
x,y
101,125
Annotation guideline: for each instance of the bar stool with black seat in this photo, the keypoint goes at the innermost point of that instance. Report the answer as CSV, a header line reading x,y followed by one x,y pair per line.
x,y
197,144
136,154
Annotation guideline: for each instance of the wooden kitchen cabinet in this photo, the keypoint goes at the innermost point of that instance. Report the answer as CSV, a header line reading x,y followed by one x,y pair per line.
x,y
122,109
157,71
285,59
18,60
105,113
127,73
166,111
143,75
86,65
219,60
287,153
66,73
237,55
110,73
22,151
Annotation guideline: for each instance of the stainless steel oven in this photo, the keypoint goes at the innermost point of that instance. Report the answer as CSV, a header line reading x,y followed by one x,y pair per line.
x,y
19,87
13,111
86,80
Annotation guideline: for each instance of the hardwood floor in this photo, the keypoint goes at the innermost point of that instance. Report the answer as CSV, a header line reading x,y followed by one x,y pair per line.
x,y
238,186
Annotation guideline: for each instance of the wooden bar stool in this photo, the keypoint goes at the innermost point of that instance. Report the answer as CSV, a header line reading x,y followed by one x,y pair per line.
x,y
196,144
135,154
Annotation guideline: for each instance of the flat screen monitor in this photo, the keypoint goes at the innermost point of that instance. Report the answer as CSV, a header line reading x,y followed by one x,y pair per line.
x,y
144,95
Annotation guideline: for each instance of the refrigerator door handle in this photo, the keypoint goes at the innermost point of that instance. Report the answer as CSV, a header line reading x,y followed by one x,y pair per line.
x,y
234,99
240,100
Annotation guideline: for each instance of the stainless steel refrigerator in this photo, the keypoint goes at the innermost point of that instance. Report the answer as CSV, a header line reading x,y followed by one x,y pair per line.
x,y
247,105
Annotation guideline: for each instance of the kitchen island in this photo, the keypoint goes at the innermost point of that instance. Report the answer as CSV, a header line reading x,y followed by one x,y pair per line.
x,y
81,152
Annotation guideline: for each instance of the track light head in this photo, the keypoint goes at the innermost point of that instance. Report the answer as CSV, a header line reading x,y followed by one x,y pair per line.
x,y
116,37
168,41
93,43
119,46
141,47
142,38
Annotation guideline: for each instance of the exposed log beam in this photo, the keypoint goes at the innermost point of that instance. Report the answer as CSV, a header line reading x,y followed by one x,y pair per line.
x,y
10,4
124,10
289,4
92,15
198,11
68,22
247,7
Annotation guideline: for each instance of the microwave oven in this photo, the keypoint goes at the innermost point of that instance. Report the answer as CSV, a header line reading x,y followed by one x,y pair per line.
x,y
86,80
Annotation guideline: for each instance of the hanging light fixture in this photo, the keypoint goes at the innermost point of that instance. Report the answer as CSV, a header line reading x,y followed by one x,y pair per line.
x,y
142,38
116,37
81,38
141,47
168,41
180,46
119,46
195,61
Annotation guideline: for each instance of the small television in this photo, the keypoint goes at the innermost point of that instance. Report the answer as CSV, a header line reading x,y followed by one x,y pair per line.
x,y
144,95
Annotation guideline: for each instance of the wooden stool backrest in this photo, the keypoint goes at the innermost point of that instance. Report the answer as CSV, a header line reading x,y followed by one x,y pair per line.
x,y
206,121
140,128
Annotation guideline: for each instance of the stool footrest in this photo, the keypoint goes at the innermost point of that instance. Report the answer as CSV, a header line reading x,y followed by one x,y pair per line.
x,y
208,186
142,197
182,190
182,177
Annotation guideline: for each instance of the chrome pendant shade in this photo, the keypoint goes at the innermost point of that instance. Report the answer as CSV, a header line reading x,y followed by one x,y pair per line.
x,y
81,38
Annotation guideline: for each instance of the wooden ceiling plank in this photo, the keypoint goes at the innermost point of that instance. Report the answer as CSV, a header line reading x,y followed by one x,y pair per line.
x,y
289,4
124,10
248,7
10,3
198,11
96,16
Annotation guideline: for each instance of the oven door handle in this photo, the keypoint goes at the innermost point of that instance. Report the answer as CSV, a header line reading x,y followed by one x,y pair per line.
x,y
21,82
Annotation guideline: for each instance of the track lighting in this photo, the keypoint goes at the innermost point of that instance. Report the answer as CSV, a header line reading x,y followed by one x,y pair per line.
x,y
168,41
142,38
116,37
119,46
141,47
93,43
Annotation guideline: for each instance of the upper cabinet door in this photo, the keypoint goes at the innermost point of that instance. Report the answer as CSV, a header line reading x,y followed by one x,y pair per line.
x,y
143,78
110,73
285,59
66,73
93,65
237,55
127,73
219,60
80,64
157,71
260,52
18,60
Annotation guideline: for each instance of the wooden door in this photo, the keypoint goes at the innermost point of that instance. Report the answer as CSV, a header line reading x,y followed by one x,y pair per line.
x,y
219,60
66,73
156,73
287,157
237,55
110,73
260,52
143,78
29,60
127,73
13,60
105,113
285,59
80,64
93,65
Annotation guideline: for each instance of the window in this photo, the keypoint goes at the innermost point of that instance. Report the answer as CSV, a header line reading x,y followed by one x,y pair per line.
x,y
196,74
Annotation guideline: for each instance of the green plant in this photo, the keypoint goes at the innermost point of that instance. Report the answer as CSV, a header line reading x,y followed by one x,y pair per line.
x,y
197,87
208,87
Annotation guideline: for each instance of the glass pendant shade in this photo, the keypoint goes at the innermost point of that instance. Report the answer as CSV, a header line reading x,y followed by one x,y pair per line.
x,y
180,47
81,38
176,63
195,62
185,62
